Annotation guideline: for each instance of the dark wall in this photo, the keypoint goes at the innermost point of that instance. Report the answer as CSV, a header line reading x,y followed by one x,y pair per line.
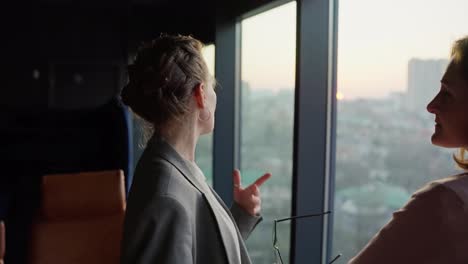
x,y
72,54
59,56
196,18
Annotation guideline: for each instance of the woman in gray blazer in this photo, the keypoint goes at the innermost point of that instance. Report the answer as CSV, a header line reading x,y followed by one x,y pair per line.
x,y
173,216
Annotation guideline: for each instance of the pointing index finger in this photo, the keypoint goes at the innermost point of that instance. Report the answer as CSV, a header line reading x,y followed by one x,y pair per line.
x,y
262,179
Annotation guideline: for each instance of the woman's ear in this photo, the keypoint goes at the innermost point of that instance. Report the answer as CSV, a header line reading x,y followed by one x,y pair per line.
x,y
199,93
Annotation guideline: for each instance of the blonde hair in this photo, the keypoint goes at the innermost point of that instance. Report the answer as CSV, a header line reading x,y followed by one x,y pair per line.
x,y
460,57
460,158
162,78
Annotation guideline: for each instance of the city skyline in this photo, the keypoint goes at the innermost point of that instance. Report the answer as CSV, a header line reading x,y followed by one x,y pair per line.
x,y
374,48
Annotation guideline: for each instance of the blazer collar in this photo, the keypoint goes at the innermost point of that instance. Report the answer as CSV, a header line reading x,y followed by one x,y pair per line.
x,y
160,147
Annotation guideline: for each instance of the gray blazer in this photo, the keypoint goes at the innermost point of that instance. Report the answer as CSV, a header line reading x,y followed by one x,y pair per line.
x,y
169,219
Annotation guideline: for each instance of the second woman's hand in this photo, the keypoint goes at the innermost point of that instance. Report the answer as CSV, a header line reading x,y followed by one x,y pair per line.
x,y
248,198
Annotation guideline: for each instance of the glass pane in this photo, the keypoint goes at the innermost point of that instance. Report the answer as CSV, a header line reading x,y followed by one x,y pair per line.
x,y
204,151
267,114
388,70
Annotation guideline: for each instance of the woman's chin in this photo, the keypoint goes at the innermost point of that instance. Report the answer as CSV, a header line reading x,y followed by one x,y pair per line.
x,y
439,140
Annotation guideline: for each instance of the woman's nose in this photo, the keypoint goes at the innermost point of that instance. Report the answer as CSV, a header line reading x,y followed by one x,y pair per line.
x,y
432,106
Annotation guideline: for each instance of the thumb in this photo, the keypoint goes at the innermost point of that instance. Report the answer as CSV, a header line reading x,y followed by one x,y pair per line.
x,y
236,179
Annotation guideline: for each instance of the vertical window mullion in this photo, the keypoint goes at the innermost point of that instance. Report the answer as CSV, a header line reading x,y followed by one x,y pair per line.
x,y
314,124
226,136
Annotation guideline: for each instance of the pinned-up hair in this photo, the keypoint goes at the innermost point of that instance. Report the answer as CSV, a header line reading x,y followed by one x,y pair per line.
x,y
162,78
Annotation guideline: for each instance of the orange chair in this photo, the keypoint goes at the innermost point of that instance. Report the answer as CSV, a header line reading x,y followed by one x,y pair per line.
x,y
80,219
2,241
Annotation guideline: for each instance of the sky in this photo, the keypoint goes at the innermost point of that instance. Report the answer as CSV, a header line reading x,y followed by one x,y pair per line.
x,y
209,55
268,48
376,39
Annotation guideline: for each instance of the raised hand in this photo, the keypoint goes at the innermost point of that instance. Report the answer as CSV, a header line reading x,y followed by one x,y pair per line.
x,y
248,198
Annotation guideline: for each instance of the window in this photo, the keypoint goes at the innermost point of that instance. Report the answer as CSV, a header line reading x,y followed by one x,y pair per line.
x,y
268,49
204,151
391,56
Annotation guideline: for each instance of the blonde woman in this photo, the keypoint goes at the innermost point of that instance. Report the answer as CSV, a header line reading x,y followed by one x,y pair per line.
x,y
433,226
173,216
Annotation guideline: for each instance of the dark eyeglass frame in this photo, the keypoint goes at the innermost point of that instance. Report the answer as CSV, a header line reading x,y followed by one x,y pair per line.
x,y
275,238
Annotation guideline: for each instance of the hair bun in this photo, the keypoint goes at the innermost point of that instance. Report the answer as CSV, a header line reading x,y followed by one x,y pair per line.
x,y
128,94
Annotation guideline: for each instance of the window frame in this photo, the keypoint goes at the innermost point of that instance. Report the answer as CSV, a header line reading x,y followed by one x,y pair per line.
x,y
314,119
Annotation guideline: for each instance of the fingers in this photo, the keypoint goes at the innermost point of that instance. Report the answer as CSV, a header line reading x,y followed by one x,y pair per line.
x,y
248,198
236,179
262,179
255,190
256,200
256,210
257,205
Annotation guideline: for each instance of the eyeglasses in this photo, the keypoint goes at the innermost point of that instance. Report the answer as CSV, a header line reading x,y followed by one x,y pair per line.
x,y
275,239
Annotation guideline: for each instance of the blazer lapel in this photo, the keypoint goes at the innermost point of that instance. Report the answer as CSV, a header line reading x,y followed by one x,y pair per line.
x,y
244,256
222,204
161,148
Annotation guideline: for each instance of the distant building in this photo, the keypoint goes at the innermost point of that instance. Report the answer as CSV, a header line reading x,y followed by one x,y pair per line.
x,y
423,81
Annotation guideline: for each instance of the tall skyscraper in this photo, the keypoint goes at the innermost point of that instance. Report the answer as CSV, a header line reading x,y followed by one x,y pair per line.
x,y
424,81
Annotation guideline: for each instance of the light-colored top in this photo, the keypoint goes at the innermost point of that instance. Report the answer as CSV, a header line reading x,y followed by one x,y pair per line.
x,y
431,228
226,219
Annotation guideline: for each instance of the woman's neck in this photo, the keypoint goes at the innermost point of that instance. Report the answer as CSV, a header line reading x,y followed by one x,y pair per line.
x,y
183,139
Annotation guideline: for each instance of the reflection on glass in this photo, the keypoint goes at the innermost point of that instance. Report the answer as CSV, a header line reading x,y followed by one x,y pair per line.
x,y
267,113
387,72
204,151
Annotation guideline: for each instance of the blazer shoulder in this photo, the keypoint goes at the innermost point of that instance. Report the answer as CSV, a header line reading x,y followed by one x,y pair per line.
x,y
155,173
155,177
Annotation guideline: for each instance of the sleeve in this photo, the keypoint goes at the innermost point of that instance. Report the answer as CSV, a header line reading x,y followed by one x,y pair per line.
x,y
417,233
245,222
162,235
